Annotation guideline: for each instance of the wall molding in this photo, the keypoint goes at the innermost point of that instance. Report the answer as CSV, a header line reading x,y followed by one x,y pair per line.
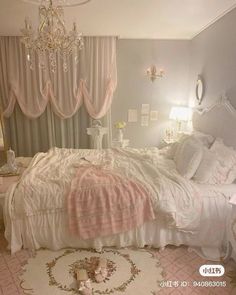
x,y
222,102
208,25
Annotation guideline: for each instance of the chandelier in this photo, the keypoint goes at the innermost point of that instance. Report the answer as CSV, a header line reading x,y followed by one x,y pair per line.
x,y
52,39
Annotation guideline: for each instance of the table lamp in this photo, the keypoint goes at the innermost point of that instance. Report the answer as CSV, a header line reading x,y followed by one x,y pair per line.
x,y
180,114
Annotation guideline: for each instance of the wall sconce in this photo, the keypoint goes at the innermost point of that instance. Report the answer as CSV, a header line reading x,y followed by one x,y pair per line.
x,y
153,74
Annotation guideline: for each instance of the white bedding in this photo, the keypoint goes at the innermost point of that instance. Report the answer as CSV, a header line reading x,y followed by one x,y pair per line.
x,y
37,229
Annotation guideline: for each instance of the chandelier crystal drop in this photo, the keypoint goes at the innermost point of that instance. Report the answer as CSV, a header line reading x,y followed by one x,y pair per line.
x,y
52,39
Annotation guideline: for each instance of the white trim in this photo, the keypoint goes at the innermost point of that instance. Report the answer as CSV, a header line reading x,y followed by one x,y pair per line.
x,y
214,20
222,102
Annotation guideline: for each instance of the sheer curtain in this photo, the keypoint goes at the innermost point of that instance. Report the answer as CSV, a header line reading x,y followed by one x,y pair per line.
x,y
46,109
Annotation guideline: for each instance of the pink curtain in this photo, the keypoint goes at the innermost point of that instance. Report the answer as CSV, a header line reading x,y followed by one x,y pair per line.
x,y
91,80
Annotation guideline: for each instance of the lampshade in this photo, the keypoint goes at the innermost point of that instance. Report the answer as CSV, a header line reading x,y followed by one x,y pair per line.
x,y
179,113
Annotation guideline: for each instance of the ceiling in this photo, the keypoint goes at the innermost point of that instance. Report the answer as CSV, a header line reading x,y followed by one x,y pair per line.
x,y
147,19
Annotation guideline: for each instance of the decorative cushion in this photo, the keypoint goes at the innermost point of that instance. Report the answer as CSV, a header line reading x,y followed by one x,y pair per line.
x,y
188,157
218,165
208,168
169,151
226,172
206,139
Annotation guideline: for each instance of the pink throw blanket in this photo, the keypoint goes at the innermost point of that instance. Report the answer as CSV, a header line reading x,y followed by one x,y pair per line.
x,y
102,203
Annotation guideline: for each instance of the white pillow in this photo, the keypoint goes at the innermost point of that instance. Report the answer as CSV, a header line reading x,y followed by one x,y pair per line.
x,y
169,151
206,139
226,172
188,157
208,168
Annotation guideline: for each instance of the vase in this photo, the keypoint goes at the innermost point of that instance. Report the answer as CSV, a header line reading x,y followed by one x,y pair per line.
x,y
120,135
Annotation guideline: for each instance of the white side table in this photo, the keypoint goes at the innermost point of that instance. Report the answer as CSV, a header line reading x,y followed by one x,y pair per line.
x,y
97,135
121,144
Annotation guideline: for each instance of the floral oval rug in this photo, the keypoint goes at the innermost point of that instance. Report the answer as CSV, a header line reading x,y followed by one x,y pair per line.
x,y
130,271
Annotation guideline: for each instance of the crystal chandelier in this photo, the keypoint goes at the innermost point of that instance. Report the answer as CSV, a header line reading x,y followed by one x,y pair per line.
x,y
52,38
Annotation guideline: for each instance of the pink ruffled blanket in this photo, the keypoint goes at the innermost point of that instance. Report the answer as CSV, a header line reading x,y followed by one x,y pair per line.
x,y
102,203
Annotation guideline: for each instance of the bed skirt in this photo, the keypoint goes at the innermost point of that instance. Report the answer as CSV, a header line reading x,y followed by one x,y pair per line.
x,y
51,231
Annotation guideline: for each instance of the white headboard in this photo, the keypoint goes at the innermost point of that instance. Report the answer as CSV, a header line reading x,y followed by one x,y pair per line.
x,y
218,120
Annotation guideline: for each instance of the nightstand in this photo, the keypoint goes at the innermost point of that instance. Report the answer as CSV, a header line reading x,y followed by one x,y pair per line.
x,y
121,144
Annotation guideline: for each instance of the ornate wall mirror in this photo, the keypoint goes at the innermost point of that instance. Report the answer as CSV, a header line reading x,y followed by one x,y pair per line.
x,y
199,89
3,142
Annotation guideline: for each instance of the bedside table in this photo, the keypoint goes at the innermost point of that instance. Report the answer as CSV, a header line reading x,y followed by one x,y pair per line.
x,y
120,144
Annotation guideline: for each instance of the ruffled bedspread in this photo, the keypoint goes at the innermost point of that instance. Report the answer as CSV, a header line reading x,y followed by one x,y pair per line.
x,y
46,184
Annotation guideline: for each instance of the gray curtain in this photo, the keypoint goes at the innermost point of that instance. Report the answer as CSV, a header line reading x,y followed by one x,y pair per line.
x,y
29,136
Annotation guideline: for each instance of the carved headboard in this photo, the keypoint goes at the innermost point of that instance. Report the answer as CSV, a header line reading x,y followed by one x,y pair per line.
x,y
218,120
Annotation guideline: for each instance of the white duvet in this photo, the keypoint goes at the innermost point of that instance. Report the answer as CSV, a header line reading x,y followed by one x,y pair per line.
x,y
45,184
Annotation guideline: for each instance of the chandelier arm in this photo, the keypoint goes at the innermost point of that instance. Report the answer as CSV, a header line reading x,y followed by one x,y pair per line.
x,y
42,25
61,21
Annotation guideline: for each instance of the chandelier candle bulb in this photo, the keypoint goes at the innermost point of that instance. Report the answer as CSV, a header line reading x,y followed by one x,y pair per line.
x,y
26,24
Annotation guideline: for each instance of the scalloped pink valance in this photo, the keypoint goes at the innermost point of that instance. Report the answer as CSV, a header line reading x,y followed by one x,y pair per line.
x,y
92,80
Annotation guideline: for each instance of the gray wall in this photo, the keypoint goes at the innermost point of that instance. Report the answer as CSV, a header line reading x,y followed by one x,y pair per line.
x,y
213,55
134,88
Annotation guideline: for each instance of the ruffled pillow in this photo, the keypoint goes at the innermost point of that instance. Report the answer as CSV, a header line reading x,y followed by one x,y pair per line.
x,y
226,169
170,150
188,157
207,171
206,139
218,165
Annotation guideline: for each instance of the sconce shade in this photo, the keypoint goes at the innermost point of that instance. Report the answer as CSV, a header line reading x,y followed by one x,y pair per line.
x,y
180,113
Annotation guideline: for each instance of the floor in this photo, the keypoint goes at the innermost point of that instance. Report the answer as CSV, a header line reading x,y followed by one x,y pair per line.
x,y
179,268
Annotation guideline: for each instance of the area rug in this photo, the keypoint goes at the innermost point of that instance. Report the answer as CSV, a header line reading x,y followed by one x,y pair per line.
x,y
130,272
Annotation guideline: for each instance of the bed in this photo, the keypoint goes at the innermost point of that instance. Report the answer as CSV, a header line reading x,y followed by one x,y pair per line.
x,y
195,214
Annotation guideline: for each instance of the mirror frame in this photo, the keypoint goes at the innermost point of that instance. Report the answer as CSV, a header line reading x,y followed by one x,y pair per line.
x,y
199,90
